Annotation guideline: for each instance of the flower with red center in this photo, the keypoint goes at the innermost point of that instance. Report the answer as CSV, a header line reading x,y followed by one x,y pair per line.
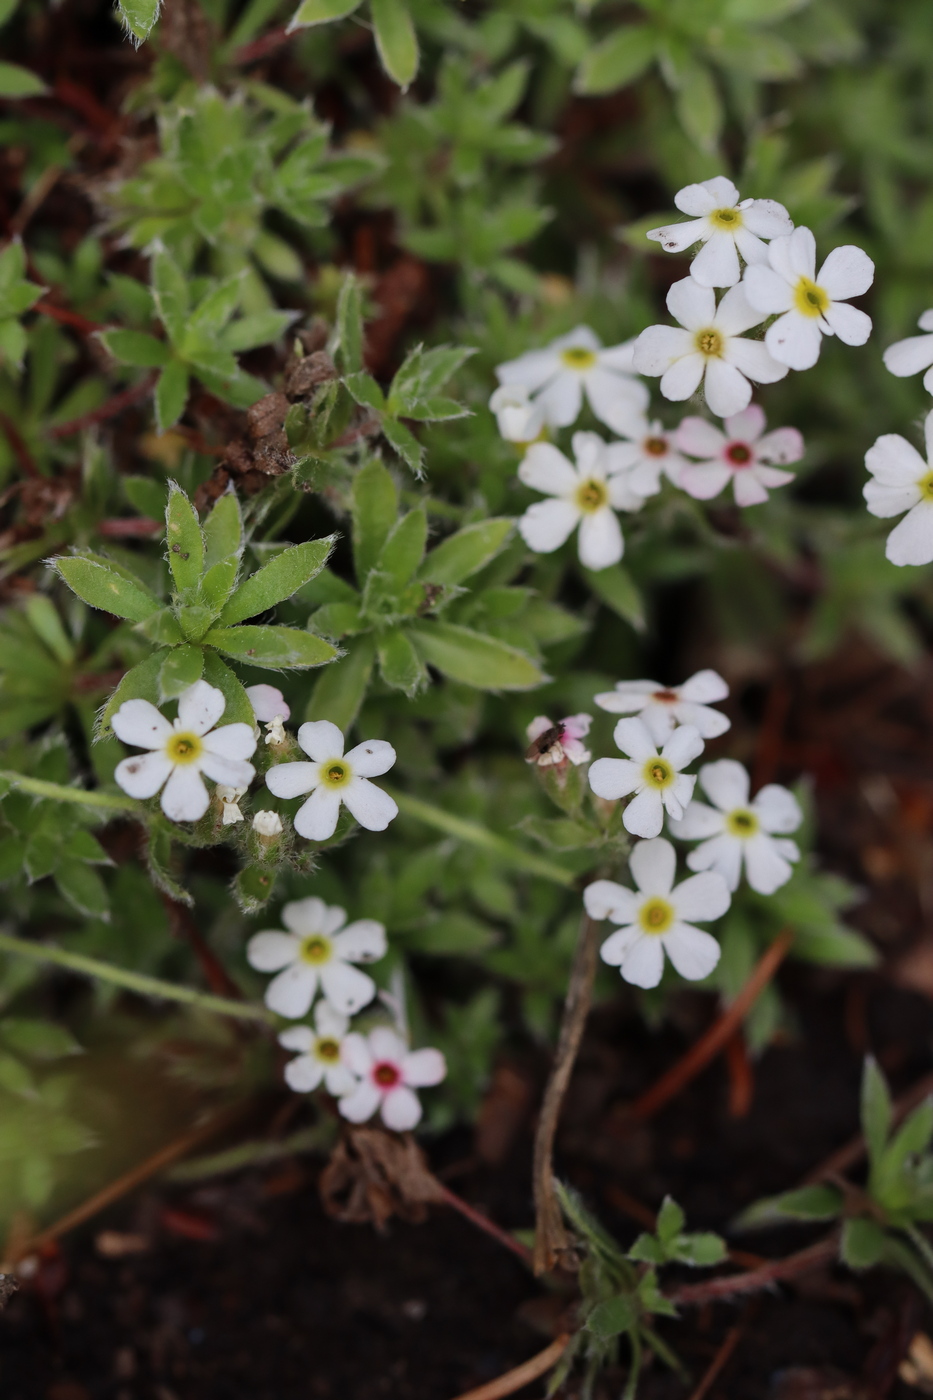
x,y
662,707
648,452
740,455
552,744
387,1073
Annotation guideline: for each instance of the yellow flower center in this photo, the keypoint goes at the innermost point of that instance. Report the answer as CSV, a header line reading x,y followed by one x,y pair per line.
x,y
729,219
709,343
656,915
592,495
658,773
327,1049
925,485
316,949
576,357
809,299
335,773
741,822
184,748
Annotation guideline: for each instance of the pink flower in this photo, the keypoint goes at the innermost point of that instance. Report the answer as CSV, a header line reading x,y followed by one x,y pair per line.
x,y
387,1073
740,454
555,743
268,703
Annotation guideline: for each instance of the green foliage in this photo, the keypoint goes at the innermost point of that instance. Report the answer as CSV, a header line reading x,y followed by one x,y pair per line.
x,y
17,293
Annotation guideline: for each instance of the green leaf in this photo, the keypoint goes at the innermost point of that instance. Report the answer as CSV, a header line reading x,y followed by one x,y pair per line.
x,y
139,16
617,60
322,11
760,11
162,629
103,587
145,495
259,328
184,540
47,624
237,707
141,683
278,580
648,1250
396,40
807,1203
171,395
611,1317
701,1250
615,588
875,1109
375,510
911,1139
405,443
15,1078
136,348
341,688
399,663
671,1220
862,1243
699,106
474,658
19,82
38,1040
182,667
450,933
223,530
560,833
170,294
365,391
349,347
271,647
159,862
466,552
8,8
82,886
403,551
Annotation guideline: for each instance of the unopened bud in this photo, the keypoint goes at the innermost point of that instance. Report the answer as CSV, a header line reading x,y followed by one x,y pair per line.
x,y
267,825
275,731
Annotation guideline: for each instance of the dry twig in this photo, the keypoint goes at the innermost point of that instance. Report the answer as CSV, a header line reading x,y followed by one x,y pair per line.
x,y
522,1375
719,1361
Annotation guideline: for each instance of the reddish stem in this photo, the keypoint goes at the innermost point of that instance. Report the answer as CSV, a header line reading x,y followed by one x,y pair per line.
x,y
110,409
132,528
184,927
476,1217
732,1284
19,445
261,48
66,317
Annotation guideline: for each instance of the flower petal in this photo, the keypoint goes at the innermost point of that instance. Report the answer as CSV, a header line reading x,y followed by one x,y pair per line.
x,y
717,262
401,1110
614,777
321,740
751,247
362,941
137,722
699,438
753,359
704,687
704,480
616,946
677,238
693,952
232,772
271,951
547,470
372,758
767,218
885,501
726,388
347,988
749,489
847,272
726,784
200,707
619,357
600,541
356,1054
605,899
690,304
292,779
747,426
387,1044
782,445
644,815
766,290
329,1021
561,400
297,1038
531,370
852,326
735,313
702,897
698,822
765,868
717,193
684,745
316,819
895,461
267,702
710,723
423,1068
292,992
644,962
906,357
231,741
658,347
338,1080
546,525
653,865
617,401
723,853
309,915
911,542
143,774
633,738
677,797
372,808
360,1105
683,377
303,1074
794,340
777,809
184,797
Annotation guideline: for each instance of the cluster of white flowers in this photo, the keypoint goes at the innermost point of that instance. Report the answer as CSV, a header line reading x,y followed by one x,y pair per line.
x,y
901,479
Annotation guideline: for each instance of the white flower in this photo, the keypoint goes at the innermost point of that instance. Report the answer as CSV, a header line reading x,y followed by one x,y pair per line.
x,y
317,952
554,744
812,305
518,419
910,356
587,495
710,348
320,1050
558,376
230,800
726,226
654,917
740,455
333,777
903,481
734,829
650,452
268,703
661,707
654,777
181,751
267,824
387,1072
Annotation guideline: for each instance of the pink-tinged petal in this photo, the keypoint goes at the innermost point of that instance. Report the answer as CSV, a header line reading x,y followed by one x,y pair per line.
x,y
906,357
612,778
644,962
577,726
634,739
723,854
356,1055
726,784
401,1110
562,399
372,758
362,941
600,541
782,445
142,775
895,461
684,745
726,388
704,480
753,359
690,304
747,426
297,1038
767,218
372,808
677,238
231,741
749,489
292,992
794,340
847,272
710,723
292,779
717,193
604,899
683,378
321,740
184,797
765,868
702,897
310,915
693,952
423,1068
644,815
360,1105
547,525
618,402
911,542
338,1080
852,326
531,371
752,249
231,772
772,476
699,438
347,989
657,348
267,702
387,1044
316,819
717,262
270,952
200,707
614,950
884,500
547,470
698,822
767,291
304,1074
653,865
137,722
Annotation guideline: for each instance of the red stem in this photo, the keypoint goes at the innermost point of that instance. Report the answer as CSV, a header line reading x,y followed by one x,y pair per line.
x,y
110,409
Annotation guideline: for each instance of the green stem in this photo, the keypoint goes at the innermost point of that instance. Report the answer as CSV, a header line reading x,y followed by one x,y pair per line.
x,y
476,835
134,981
40,788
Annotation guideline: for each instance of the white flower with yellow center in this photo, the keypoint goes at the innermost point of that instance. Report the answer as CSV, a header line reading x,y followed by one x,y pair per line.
x,y
910,356
571,366
586,495
734,830
655,778
181,750
317,952
662,707
726,226
657,917
808,304
333,777
902,480
710,349
387,1073
319,1058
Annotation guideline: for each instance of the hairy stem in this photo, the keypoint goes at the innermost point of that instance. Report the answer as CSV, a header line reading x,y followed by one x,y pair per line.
x,y
58,792
732,1285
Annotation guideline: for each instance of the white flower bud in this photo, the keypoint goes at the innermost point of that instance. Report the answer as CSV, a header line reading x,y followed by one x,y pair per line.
x,y
267,824
229,798
275,730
